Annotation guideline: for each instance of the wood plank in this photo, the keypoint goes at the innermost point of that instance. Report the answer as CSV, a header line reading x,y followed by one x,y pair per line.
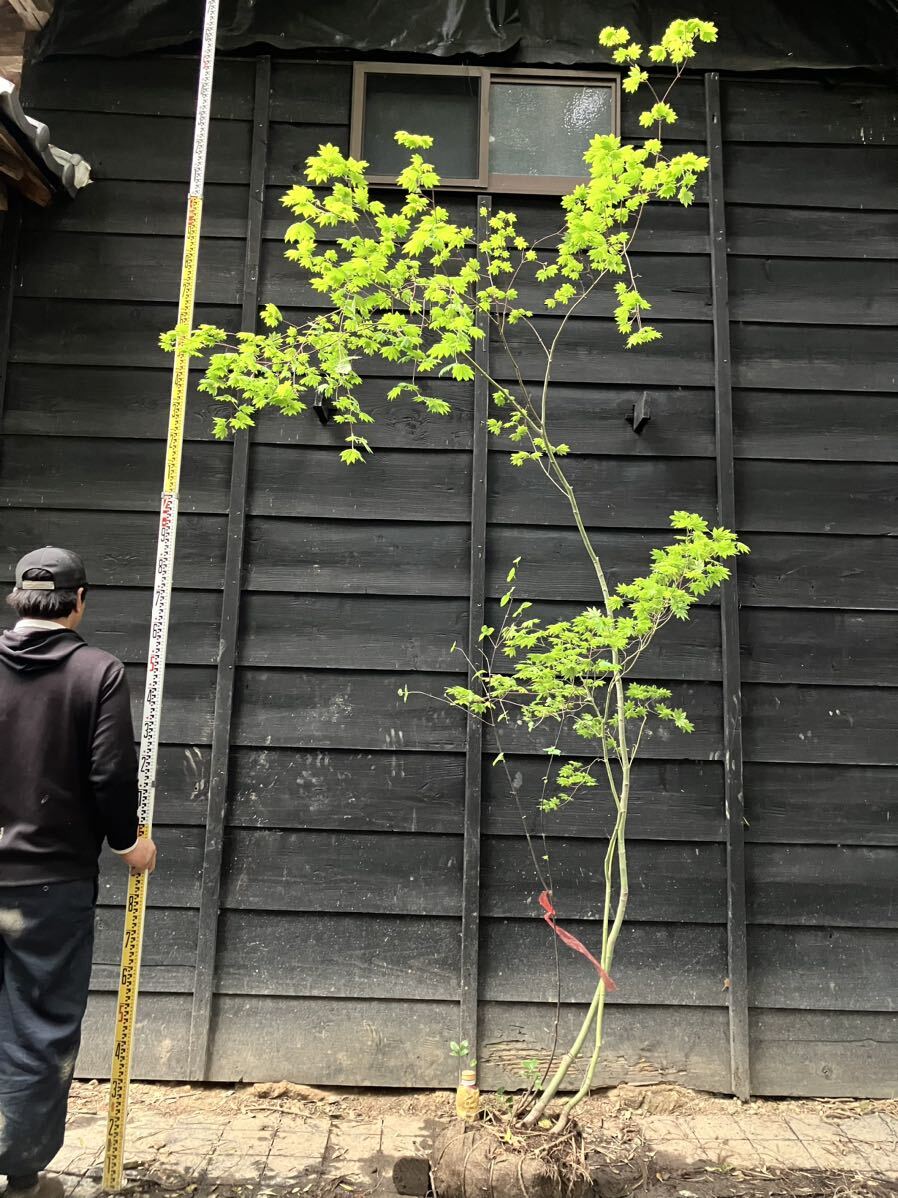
x,y
169,950
814,497
345,956
553,564
391,485
631,492
10,231
820,112
125,543
388,873
828,359
781,571
814,885
290,144
663,964
681,358
421,792
350,709
332,1042
328,1041
157,207
644,1049
731,680
701,701
311,92
181,849
118,620
372,632
816,426
101,333
108,401
97,401
818,291
77,472
820,571
824,1054
812,176
460,206
151,148
593,351
352,632
825,724
161,1032
682,883
398,425
469,965
677,286
687,100
187,703
821,804
340,790
830,969
670,800
107,266
824,647
596,419
336,556
182,780
593,419
665,228
811,232
343,709
157,85
229,627
688,650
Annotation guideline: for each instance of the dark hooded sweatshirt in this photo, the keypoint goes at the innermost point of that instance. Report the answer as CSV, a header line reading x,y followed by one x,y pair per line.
x,y
68,769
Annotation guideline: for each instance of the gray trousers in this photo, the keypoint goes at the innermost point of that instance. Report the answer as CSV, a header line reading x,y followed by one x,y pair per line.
x,y
46,943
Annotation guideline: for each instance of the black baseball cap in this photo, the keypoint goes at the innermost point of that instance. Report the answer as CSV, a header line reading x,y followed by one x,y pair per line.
x,y
56,570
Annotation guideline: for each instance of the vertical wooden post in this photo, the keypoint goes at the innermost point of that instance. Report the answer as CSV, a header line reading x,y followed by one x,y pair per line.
x,y
210,894
737,950
470,919
10,226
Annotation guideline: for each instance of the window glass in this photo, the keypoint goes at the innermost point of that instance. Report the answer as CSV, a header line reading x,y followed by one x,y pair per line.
x,y
445,106
545,128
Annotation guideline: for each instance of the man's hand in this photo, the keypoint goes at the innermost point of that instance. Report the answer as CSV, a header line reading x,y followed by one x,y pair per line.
x,y
142,858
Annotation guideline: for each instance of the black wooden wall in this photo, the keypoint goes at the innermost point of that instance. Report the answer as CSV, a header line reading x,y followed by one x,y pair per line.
x,y
339,943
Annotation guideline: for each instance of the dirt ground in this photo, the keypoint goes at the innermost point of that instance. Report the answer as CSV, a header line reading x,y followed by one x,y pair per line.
x,y
627,1131
604,1108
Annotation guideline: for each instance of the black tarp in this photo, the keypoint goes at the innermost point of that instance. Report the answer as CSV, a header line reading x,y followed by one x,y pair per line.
x,y
754,34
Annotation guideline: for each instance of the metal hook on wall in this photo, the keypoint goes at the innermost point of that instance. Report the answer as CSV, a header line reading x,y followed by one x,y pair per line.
x,y
641,414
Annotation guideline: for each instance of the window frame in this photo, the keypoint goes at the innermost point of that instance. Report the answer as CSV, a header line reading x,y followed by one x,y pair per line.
x,y
360,70
499,183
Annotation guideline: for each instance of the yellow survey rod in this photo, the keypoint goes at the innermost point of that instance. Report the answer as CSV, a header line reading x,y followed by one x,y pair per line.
x,y
135,909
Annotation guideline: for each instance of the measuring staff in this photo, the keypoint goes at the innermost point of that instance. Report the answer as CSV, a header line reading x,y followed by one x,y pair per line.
x,y
126,1009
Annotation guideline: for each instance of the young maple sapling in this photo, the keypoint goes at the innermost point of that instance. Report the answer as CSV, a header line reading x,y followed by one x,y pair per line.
x,y
400,285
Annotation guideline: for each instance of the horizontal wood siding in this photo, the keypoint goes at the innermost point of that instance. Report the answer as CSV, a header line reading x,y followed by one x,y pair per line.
x,y
815,416
341,884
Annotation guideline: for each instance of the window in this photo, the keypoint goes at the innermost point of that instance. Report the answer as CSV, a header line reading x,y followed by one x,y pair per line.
x,y
497,128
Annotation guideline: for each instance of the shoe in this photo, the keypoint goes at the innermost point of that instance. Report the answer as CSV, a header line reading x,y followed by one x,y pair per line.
x,y
44,1187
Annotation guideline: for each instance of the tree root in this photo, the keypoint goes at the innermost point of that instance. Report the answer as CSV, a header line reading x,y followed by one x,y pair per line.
x,y
494,1158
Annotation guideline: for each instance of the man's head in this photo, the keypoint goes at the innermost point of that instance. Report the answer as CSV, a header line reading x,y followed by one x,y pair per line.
x,y
51,584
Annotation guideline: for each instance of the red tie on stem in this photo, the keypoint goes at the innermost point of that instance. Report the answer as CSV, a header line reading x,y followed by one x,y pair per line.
x,y
571,941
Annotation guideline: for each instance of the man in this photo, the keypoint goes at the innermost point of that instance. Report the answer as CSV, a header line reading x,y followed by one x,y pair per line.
x,y
68,780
